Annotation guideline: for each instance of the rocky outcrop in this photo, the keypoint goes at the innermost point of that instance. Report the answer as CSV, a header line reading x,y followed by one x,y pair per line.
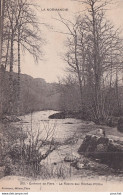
x,y
60,115
103,149
71,114
71,158
85,163
82,162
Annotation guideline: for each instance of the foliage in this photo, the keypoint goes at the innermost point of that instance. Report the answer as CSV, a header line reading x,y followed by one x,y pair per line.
x,y
36,94
22,152
20,32
94,59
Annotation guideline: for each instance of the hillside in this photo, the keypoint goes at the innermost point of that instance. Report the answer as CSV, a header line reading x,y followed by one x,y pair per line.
x,y
39,95
36,93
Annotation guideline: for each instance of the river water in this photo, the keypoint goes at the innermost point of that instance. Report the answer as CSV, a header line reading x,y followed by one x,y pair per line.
x,y
57,129
61,130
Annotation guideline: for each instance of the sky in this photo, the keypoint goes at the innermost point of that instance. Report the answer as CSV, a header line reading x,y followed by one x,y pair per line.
x,y
52,67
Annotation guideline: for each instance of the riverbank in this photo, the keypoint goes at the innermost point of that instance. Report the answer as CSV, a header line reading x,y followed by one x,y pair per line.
x,y
68,136
10,137
112,121
69,114
91,169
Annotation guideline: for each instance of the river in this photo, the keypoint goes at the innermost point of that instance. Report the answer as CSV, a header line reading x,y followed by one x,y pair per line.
x,y
61,130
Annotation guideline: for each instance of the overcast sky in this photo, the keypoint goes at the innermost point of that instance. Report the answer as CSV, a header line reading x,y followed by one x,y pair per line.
x,y
53,66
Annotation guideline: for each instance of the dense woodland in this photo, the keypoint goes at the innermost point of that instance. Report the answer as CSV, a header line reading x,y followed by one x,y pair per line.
x,y
95,64
19,32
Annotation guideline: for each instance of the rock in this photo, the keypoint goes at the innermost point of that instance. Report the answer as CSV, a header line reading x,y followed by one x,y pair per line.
x,y
91,165
90,123
80,165
96,166
70,140
69,123
120,125
60,115
104,149
71,114
99,132
102,140
71,158
101,148
85,144
97,160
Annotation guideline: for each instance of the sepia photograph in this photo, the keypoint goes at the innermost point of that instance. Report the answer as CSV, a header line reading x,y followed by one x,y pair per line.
x,y
61,95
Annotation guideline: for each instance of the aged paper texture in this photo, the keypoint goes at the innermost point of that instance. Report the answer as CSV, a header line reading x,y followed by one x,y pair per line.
x,y
61,96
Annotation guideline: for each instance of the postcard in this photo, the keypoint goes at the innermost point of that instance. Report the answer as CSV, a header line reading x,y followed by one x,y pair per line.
x,y
61,96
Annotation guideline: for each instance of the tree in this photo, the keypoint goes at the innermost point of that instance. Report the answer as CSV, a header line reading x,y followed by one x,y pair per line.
x,y
69,94
105,47
72,57
21,32
0,55
2,6
94,53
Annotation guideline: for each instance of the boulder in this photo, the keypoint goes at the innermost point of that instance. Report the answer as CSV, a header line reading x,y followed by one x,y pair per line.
x,y
71,158
72,140
89,123
108,152
80,165
96,166
101,148
60,115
